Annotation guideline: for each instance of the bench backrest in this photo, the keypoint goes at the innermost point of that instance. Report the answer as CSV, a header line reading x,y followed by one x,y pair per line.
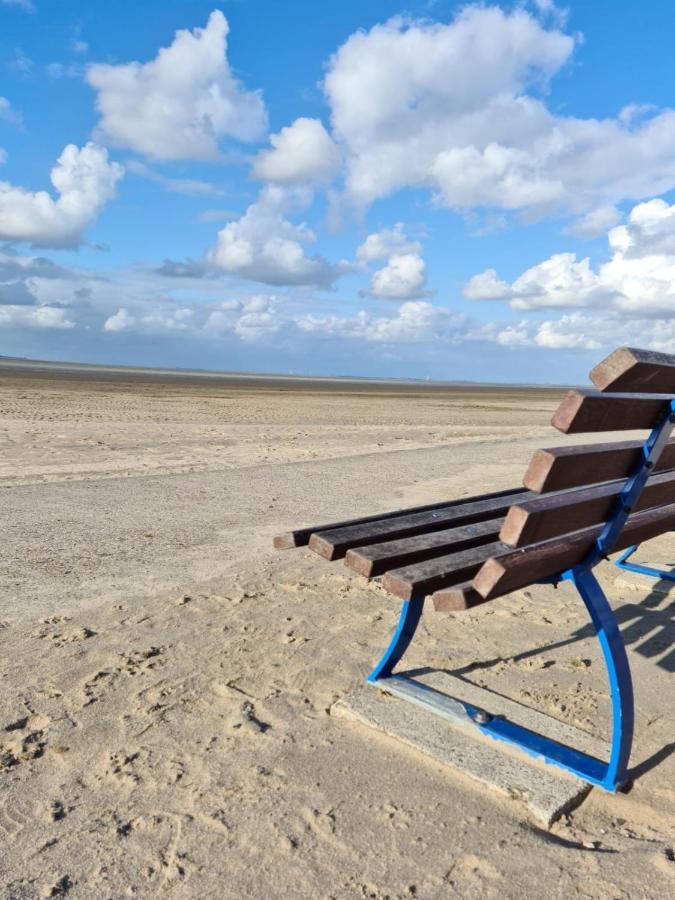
x,y
555,531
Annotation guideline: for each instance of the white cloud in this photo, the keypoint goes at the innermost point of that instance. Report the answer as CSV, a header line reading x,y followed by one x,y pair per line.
x,y
158,318
453,108
595,222
178,105
638,279
650,231
403,278
303,152
512,336
570,331
486,286
265,246
385,243
250,319
560,281
494,176
83,178
122,320
34,317
414,322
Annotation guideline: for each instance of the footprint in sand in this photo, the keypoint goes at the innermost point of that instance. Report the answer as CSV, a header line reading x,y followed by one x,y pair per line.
x,y
14,817
61,636
124,767
138,661
24,740
98,686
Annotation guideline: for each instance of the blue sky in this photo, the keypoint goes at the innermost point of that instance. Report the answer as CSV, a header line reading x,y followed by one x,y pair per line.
x,y
437,189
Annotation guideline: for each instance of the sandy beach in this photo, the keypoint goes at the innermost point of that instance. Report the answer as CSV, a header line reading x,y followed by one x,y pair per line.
x,y
166,677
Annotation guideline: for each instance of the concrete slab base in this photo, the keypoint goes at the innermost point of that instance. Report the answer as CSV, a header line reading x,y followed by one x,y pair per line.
x,y
545,791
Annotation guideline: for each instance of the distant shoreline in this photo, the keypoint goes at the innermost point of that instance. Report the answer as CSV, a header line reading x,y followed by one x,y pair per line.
x,y
37,367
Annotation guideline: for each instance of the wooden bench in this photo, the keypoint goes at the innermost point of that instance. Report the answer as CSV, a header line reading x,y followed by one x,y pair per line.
x,y
577,504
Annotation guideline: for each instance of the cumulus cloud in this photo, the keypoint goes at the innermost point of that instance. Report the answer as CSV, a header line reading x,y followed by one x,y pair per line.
x,y
638,278
403,278
84,180
178,105
250,319
263,245
122,320
454,108
302,152
163,317
385,243
404,275
34,317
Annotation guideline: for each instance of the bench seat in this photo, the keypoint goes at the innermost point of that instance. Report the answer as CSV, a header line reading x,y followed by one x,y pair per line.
x,y
577,505
463,552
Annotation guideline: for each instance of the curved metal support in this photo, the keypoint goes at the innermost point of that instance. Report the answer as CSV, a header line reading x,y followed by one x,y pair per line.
x,y
407,626
622,563
618,673
610,775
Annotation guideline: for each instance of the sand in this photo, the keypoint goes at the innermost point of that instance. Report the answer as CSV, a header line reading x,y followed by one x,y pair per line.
x,y
166,678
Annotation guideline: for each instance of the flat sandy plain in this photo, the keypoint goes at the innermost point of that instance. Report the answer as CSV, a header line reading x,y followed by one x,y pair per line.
x,y
166,677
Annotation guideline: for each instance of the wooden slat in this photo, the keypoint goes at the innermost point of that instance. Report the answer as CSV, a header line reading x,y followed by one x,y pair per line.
x,y
457,598
377,558
334,543
631,369
586,411
426,577
300,537
551,515
560,468
509,570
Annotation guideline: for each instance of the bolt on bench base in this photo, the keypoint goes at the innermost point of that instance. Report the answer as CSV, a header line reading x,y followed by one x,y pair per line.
x,y
584,766
440,727
611,775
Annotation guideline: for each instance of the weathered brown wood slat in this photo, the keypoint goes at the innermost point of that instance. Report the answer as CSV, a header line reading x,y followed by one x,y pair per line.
x,y
560,468
551,515
334,543
377,558
426,577
591,411
512,569
629,369
300,537
457,598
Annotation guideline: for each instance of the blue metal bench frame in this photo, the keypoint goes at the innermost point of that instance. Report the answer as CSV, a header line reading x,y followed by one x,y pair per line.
x,y
610,775
622,563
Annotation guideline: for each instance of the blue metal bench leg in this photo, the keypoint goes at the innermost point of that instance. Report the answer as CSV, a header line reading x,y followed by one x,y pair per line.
x,y
407,626
608,775
618,672
622,563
